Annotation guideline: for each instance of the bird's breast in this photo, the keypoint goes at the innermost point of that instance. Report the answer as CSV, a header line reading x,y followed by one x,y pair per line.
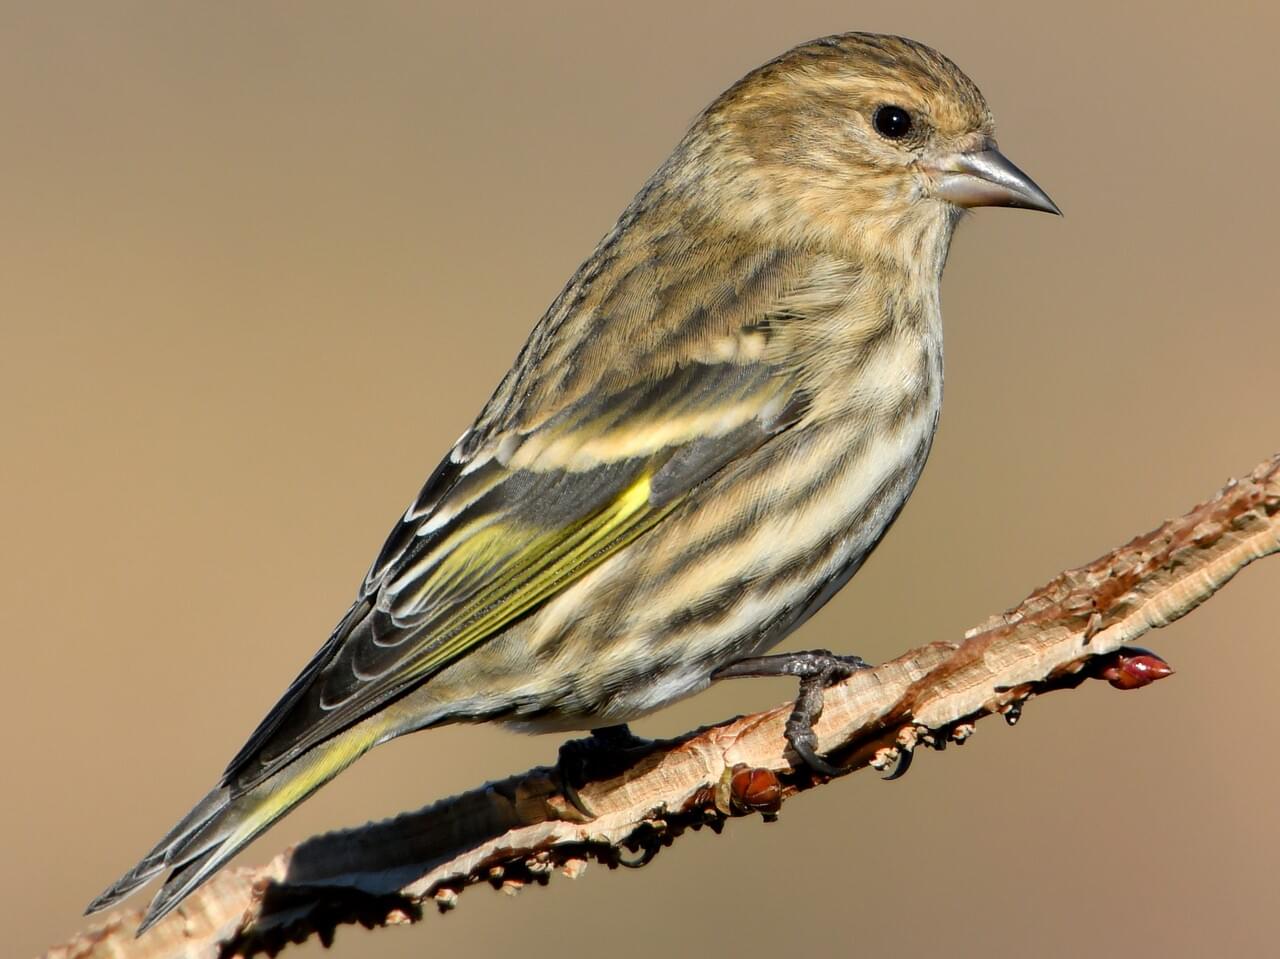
x,y
753,550
751,553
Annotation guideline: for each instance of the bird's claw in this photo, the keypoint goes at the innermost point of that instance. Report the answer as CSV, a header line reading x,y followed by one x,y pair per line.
x,y
900,765
607,752
801,738
816,669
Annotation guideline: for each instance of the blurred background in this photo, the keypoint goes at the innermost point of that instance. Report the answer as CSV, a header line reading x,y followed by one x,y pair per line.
x,y
261,264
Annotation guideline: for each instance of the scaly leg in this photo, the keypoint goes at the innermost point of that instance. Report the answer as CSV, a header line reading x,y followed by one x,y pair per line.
x,y
816,669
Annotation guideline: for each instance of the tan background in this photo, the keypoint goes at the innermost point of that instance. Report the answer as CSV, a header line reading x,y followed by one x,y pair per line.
x,y
260,264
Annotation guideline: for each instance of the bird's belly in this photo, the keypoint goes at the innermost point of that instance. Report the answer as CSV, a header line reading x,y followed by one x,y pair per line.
x,y
741,565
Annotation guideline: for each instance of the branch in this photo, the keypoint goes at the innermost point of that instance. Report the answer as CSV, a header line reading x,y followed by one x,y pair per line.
x,y
519,830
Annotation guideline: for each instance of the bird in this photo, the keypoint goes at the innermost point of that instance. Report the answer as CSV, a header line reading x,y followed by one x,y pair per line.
x,y
704,437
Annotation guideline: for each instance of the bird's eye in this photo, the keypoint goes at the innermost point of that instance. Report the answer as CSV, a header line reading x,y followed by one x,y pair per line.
x,y
892,123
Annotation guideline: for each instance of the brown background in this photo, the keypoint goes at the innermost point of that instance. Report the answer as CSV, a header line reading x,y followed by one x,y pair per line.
x,y
260,264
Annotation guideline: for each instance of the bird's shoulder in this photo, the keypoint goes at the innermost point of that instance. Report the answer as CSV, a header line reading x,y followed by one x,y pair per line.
x,y
668,288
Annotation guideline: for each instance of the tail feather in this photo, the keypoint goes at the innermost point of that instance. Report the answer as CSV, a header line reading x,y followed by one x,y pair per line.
x,y
181,883
220,825
166,852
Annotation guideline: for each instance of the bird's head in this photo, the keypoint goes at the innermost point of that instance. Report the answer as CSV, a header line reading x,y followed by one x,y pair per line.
x,y
875,139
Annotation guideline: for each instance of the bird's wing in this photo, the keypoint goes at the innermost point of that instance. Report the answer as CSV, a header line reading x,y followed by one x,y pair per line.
x,y
639,383
499,527
494,534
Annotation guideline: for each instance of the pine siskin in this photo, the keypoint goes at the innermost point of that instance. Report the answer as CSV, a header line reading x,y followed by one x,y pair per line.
x,y
704,437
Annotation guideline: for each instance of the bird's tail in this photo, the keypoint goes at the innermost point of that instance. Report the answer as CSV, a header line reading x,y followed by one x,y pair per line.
x,y
223,823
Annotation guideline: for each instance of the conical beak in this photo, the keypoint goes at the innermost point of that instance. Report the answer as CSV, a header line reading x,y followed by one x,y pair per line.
x,y
987,178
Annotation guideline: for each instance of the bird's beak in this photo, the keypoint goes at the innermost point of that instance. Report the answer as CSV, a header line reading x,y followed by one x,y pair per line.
x,y
986,177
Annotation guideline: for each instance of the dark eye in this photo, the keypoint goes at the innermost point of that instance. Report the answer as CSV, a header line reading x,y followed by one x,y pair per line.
x,y
892,123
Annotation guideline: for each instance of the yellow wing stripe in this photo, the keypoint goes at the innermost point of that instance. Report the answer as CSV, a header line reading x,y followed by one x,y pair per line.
x,y
544,565
547,562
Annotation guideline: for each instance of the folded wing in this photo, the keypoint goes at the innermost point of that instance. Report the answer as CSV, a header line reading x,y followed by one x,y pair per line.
x,y
498,530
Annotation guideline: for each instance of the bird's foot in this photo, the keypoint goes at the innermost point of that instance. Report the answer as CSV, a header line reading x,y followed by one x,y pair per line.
x,y
816,669
608,752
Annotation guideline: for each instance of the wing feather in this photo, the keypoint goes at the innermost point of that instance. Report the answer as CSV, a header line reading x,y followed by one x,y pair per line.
x,y
571,460
501,539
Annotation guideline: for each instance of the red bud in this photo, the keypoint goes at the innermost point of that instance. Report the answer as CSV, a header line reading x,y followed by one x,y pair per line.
x,y
756,790
1133,668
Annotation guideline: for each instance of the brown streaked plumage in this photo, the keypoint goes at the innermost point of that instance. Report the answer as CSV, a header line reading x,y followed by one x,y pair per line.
x,y
702,440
